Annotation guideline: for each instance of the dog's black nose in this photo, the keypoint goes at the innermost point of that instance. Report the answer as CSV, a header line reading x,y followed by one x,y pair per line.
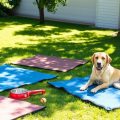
x,y
99,64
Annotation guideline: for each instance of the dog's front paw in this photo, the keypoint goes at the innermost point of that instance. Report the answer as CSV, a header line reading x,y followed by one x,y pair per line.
x,y
83,88
94,90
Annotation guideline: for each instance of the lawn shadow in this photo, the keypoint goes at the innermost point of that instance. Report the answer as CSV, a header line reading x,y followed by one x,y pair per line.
x,y
62,40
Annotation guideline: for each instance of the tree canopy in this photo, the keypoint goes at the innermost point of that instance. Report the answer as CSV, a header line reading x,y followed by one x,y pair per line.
x,y
50,5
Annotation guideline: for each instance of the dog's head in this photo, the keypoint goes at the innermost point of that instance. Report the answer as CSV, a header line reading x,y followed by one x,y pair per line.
x,y
100,60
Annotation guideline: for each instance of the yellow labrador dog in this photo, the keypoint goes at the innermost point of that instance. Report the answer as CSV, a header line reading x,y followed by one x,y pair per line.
x,y
102,73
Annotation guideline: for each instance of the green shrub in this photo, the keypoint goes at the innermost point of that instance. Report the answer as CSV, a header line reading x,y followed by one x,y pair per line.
x,y
14,3
2,13
7,6
5,11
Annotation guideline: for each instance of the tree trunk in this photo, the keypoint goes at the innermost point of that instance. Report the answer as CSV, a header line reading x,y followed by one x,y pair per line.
x,y
41,15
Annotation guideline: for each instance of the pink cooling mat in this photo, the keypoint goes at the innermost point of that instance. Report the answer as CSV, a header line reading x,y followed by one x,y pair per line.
x,y
52,63
12,109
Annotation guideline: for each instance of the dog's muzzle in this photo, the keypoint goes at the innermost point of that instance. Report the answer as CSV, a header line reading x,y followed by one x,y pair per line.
x,y
99,67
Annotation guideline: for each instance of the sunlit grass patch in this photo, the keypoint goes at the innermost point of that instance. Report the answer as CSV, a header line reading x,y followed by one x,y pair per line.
x,y
23,37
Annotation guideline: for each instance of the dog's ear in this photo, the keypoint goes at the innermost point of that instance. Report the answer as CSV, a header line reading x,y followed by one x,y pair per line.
x,y
92,58
108,58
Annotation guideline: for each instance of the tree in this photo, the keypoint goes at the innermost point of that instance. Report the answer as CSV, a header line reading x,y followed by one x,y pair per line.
x,y
51,6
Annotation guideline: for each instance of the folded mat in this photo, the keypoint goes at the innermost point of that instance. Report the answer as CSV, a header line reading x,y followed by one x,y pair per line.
x,y
12,77
108,98
12,109
50,62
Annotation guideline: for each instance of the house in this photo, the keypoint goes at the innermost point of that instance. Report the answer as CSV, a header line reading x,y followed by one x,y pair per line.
x,y
101,13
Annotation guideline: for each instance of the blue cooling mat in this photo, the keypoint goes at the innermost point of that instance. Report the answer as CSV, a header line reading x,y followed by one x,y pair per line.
x,y
108,98
12,77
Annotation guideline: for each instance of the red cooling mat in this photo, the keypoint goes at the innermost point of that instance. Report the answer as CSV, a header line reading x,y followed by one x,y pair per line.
x,y
50,62
11,109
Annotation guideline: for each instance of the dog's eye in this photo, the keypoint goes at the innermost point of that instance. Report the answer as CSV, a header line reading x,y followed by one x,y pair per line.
x,y
96,57
103,58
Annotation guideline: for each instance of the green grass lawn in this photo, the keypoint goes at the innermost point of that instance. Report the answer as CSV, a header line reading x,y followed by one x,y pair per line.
x,y
22,37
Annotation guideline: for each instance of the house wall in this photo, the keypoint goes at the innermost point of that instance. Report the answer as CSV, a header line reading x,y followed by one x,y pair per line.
x,y
27,8
107,13
75,11
102,13
119,14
